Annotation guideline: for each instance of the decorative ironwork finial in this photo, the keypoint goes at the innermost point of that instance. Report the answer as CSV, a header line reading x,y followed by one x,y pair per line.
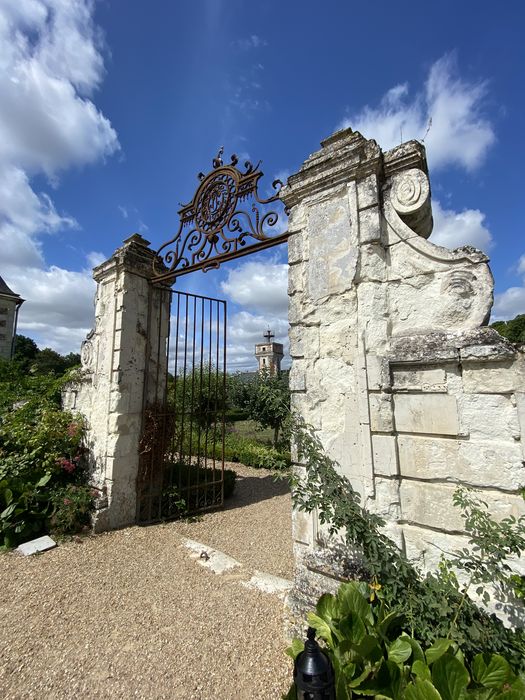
x,y
217,162
213,228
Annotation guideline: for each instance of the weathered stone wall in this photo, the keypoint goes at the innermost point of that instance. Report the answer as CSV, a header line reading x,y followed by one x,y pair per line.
x,y
110,393
391,364
8,308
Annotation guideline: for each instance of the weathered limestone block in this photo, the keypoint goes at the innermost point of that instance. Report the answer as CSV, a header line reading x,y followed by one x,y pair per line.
x,y
304,527
476,463
297,380
385,455
420,379
494,378
489,416
431,505
377,372
381,413
426,413
370,225
295,278
387,501
367,192
295,248
426,547
333,258
372,263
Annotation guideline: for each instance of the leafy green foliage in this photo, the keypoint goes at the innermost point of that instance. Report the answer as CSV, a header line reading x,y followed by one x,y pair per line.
x,y
373,657
72,505
29,358
433,605
264,397
40,456
513,330
253,453
269,402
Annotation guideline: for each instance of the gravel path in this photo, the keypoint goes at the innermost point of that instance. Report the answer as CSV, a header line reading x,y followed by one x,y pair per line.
x,y
129,614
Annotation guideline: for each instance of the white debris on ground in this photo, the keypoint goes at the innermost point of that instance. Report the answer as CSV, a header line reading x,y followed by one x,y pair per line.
x,y
41,544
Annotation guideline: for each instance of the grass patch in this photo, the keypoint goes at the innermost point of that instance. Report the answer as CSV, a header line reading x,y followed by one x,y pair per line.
x,y
249,429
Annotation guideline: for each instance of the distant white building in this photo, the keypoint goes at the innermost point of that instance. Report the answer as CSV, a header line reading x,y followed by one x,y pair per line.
x,y
269,355
9,305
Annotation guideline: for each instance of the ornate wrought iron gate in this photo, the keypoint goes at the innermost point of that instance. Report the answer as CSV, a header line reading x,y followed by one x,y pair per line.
x,y
182,448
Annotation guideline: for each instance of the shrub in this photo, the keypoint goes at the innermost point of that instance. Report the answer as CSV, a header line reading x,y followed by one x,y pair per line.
x,y
434,605
40,459
72,505
254,454
372,656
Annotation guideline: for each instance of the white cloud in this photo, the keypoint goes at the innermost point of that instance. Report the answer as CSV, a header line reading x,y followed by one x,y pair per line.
x,y
453,229
50,65
459,133
251,42
511,302
245,330
95,258
259,286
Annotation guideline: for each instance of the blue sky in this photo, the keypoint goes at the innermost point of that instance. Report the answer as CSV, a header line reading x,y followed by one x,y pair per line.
x,y
109,109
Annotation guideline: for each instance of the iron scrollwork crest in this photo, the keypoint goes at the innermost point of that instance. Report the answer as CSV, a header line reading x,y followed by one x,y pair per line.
x,y
214,227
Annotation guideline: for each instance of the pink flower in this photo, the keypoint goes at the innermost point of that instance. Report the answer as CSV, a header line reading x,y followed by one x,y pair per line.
x,y
67,465
67,501
72,429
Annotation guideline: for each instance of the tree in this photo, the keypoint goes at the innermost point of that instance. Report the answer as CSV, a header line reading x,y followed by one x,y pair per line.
x,y
513,330
26,351
269,403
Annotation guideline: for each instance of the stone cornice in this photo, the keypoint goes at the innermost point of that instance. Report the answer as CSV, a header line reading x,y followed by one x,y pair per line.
x,y
134,256
344,156
347,156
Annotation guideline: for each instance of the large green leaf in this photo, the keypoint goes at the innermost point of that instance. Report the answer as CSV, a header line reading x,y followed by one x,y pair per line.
x,y
421,690
400,650
369,648
322,628
386,621
490,670
417,651
421,670
8,511
43,481
295,648
385,681
351,600
450,677
437,650
352,628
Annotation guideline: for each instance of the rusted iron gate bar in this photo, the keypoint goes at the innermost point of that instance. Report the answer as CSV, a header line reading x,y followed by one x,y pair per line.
x,y
184,458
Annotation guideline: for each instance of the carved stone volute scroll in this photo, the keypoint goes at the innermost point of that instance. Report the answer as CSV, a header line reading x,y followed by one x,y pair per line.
x,y
433,288
410,197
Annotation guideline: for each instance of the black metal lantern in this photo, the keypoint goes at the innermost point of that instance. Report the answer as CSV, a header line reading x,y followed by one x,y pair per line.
x,y
313,673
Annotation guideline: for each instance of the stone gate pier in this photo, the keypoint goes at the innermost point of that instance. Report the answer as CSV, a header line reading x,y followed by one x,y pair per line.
x,y
117,357
392,363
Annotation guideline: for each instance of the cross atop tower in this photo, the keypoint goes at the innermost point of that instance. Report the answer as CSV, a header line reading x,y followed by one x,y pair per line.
x,y
268,335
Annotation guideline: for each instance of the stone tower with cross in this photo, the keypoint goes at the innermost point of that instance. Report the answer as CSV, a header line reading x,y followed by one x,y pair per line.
x,y
269,355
